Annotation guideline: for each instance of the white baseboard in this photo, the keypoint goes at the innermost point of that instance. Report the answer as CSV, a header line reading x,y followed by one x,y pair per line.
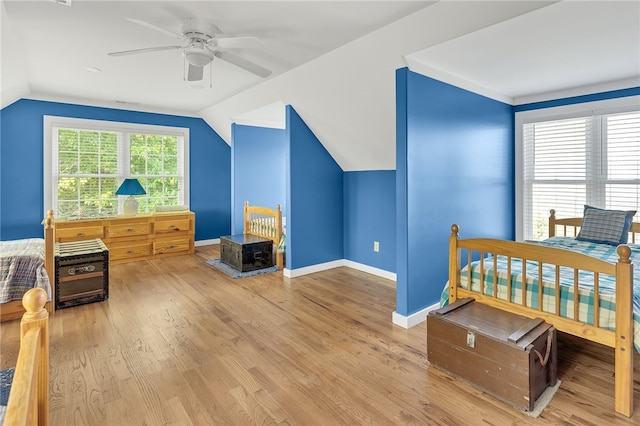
x,y
413,319
371,270
206,242
292,273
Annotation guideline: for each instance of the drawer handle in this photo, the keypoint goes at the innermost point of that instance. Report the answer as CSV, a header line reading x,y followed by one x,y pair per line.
x,y
174,227
171,246
130,252
129,229
80,234
83,268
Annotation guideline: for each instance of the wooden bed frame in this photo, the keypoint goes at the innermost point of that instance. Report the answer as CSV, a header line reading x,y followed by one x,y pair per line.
x,y
271,229
29,398
14,309
621,339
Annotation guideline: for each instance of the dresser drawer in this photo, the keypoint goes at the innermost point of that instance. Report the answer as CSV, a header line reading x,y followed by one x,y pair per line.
x,y
119,251
172,225
128,229
83,233
171,245
134,238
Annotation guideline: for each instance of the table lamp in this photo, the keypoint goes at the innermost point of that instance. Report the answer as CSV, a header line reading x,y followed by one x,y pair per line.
x,y
130,187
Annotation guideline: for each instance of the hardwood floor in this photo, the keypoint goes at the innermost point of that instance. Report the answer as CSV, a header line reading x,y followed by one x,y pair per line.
x,y
180,343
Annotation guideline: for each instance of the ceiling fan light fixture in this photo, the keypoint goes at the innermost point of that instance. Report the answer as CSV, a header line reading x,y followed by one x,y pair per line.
x,y
203,40
198,57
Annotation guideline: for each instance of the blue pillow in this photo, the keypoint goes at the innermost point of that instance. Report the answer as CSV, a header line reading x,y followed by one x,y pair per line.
x,y
605,226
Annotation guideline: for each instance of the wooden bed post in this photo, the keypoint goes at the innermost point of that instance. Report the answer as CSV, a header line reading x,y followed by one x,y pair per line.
x,y
246,217
454,264
624,333
29,398
279,255
49,241
552,223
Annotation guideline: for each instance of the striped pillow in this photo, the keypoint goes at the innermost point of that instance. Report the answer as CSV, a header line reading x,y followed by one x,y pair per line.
x,y
605,226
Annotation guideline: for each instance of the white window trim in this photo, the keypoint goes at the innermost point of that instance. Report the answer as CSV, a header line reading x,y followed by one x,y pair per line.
x,y
107,126
608,106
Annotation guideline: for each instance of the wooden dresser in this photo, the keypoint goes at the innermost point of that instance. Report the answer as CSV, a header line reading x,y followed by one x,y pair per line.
x,y
134,238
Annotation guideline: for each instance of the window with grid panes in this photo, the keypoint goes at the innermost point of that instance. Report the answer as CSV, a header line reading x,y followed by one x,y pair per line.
x,y
89,159
87,172
567,163
154,162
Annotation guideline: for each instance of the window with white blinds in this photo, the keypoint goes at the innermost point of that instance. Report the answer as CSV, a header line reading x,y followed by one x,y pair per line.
x,y
155,160
89,159
85,167
571,162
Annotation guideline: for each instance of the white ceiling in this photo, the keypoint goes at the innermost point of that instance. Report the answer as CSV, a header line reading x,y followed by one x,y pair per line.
x,y
565,45
57,42
333,61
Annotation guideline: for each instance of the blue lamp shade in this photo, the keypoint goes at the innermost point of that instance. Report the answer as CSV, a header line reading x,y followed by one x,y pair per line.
x,y
130,187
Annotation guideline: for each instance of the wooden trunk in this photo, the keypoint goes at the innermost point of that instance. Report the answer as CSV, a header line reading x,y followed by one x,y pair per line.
x,y
81,273
509,356
246,252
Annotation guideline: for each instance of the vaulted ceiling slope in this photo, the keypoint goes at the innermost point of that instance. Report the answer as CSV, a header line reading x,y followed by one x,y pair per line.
x,y
334,62
46,46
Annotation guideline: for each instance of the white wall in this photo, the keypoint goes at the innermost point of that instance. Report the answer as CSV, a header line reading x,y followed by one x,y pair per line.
x,y
347,97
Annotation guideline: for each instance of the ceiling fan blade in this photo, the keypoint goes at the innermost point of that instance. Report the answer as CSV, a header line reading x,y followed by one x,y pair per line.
x,y
237,42
146,49
154,27
194,73
243,63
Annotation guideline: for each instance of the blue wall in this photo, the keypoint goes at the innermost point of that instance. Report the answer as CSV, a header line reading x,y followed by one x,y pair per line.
x,y
260,155
455,164
21,165
314,198
370,215
258,158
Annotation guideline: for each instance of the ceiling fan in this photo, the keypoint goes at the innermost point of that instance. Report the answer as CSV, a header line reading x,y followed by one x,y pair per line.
x,y
204,42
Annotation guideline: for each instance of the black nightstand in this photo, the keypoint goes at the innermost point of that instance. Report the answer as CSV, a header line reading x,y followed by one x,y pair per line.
x,y
81,273
246,252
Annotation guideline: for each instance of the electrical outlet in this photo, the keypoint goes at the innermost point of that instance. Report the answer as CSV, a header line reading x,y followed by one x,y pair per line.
x,y
376,246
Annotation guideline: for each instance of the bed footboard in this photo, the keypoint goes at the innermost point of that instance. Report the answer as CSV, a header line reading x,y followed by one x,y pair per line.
x,y
29,398
530,292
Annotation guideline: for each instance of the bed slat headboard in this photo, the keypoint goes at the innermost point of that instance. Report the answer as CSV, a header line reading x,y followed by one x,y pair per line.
x,y
570,226
265,222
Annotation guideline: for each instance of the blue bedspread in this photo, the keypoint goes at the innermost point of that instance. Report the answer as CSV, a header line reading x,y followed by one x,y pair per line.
x,y
586,293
